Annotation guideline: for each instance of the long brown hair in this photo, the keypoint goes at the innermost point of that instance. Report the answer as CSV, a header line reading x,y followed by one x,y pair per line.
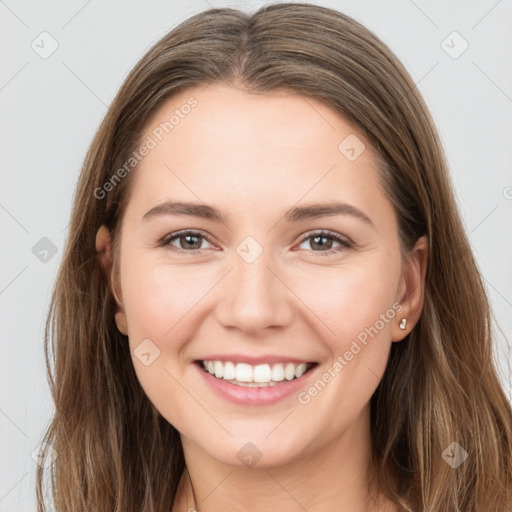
x,y
114,451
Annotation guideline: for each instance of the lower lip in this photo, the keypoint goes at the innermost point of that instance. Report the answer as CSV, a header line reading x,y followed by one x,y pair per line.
x,y
243,395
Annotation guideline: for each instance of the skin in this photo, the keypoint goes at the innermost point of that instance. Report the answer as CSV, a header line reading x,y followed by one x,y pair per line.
x,y
254,157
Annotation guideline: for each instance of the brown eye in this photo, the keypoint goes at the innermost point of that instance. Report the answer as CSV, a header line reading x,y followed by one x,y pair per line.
x,y
188,241
322,242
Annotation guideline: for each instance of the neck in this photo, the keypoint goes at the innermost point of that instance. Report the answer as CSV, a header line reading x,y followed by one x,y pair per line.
x,y
337,477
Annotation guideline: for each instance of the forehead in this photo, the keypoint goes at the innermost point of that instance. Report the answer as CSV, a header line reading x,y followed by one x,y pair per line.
x,y
204,117
219,143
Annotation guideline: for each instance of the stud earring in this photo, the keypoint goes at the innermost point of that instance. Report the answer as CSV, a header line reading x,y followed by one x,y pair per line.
x,y
403,323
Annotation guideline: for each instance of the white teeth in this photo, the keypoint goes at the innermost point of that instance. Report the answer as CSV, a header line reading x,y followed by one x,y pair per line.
x,y
289,371
300,370
229,371
278,372
243,372
253,384
219,369
262,375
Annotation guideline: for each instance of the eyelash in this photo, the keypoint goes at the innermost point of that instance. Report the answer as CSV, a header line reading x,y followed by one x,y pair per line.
x,y
345,244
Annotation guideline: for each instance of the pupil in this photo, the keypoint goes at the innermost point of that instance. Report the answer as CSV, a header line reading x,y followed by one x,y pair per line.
x,y
320,238
189,238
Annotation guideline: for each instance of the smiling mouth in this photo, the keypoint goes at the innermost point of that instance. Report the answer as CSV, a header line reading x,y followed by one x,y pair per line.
x,y
262,375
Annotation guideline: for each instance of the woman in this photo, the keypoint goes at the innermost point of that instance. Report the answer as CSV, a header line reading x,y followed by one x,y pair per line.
x,y
267,299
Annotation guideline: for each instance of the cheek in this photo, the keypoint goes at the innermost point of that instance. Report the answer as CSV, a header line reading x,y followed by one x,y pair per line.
x,y
161,300
157,296
350,298
160,304
355,309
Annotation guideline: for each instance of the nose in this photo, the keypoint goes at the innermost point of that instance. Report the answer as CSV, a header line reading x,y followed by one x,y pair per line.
x,y
255,296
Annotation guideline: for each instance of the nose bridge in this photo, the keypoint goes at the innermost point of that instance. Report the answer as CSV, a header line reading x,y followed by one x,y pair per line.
x,y
254,297
253,276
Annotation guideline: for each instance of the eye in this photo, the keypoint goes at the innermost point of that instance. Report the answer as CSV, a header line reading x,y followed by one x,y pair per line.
x,y
192,241
324,241
189,241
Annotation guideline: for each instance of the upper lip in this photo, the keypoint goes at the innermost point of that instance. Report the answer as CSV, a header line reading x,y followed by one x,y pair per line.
x,y
253,360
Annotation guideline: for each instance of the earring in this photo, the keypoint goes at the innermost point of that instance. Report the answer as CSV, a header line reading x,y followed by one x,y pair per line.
x,y
403,323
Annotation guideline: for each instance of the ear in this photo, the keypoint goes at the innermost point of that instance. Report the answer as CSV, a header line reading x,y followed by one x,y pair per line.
x,y
412,289
104,250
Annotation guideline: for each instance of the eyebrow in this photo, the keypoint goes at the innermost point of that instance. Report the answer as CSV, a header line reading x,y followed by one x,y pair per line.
x,y
310,211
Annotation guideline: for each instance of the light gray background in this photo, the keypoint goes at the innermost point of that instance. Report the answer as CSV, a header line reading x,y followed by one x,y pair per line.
x,y
50,109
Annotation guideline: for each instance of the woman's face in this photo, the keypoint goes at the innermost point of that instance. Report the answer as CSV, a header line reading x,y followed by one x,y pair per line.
x,y
256,283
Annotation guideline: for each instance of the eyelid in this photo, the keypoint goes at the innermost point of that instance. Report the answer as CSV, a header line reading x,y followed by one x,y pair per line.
x,y
177,234
327,233
344,241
